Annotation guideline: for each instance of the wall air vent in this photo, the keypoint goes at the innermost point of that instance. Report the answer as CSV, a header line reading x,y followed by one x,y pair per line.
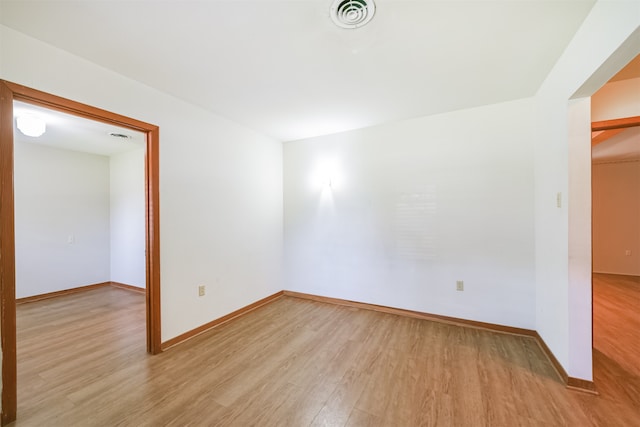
x,y
352,13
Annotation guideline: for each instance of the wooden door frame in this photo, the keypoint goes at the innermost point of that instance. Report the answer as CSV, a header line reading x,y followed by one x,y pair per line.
x,y
8,93
623,123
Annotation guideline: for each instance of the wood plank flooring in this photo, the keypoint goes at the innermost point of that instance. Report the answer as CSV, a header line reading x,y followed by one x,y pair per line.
x,y
82,362
616,353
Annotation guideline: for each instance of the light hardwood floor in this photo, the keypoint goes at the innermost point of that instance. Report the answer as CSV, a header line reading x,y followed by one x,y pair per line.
x,y
82,362
616,355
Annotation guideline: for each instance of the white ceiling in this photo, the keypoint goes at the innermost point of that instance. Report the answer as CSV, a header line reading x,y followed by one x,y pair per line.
x,y
624,146
283,68
69,132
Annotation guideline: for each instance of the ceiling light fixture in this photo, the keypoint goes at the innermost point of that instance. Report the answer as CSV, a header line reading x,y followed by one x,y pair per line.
x,y
352,13
31,125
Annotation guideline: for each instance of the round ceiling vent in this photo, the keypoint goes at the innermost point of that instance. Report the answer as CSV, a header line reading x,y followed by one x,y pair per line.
x,y
120,135
352,13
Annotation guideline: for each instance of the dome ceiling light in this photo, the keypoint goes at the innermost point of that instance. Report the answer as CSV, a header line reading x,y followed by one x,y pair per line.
x,y
31,125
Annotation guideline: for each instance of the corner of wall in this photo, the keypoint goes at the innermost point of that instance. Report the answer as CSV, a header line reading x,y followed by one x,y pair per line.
x,y
603,44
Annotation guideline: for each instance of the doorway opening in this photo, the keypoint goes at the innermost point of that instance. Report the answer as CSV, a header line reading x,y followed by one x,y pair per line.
x,y
616,256
615,190
10,92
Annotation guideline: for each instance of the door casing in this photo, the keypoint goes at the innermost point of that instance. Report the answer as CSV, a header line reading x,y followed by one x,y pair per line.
x,y
8,93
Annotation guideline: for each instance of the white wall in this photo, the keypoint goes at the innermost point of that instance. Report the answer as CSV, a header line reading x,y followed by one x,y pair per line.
x,y
601,47
127,218
60,195
415,206
616,100
220,184
616,218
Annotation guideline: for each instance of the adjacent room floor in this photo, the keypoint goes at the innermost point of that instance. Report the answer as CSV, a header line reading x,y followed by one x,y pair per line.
x,y
82,362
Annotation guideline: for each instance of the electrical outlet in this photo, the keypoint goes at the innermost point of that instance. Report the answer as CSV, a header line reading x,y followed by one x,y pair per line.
x,y
627,252
201,290
459,285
